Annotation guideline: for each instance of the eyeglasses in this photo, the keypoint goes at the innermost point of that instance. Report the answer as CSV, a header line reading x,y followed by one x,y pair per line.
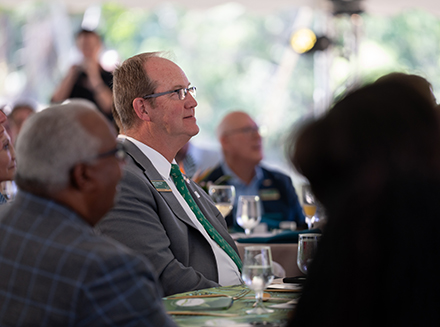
x,y
181,92
245,130
118,152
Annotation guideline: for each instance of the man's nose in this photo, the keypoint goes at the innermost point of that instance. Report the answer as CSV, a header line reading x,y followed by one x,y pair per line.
x,y
191,102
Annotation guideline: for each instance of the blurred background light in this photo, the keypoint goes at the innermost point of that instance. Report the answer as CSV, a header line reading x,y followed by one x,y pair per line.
x,y
303,40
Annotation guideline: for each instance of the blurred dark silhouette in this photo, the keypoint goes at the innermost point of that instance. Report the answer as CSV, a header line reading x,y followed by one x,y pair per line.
x,y
373,161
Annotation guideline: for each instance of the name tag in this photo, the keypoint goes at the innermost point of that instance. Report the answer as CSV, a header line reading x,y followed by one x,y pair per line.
x,y
161,186
270,194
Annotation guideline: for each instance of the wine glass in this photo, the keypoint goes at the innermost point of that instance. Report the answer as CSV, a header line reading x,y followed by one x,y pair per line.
x,y
257,274
223,197
309,205
248,212
307,246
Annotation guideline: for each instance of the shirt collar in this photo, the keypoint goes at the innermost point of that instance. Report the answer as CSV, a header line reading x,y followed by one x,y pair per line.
x,y
236,180
162,165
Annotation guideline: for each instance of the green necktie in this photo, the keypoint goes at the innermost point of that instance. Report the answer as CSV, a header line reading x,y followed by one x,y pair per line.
x,y
180,184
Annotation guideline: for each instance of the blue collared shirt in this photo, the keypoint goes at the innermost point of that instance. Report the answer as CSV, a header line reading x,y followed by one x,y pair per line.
x,y
241,188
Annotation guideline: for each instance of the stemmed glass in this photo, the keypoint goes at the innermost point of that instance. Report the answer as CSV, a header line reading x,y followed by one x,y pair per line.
x,y
309,205
307,246
223,197
257,274
248,212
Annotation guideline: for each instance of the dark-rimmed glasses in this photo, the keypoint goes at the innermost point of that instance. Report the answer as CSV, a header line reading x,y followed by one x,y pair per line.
x,y
181,92
244,130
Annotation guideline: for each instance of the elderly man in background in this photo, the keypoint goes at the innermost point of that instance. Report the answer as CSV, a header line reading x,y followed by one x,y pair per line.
x,y
54,270
242,151
159,213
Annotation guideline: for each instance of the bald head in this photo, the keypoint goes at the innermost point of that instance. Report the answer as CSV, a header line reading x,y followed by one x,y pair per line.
x,y
240,139
232,121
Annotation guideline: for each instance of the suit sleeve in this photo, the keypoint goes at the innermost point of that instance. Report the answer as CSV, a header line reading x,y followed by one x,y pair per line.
x,y
120,290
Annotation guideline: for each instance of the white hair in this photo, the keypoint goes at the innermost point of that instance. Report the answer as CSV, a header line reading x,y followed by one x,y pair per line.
x,y
49,145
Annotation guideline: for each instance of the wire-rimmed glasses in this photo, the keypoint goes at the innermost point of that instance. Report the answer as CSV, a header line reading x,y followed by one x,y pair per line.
x,y
181,92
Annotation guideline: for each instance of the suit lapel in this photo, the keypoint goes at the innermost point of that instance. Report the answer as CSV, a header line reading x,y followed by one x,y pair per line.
x,y
151,174
208,213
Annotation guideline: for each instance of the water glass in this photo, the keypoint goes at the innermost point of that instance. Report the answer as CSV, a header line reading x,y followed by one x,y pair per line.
x,y
258,274
248,212
307,247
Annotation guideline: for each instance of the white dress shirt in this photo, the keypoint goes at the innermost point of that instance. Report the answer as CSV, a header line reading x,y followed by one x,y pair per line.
x,y
228,273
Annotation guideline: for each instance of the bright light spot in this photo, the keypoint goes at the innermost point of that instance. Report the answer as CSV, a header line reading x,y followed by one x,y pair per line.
x,y
264,131
303,40
109,60
372,56
15,82
227,12
91,18
340,69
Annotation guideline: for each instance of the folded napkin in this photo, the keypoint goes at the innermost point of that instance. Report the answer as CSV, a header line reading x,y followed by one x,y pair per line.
x,y
283,237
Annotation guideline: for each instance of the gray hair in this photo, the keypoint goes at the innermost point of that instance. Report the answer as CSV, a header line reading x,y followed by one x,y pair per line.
x,y
49,145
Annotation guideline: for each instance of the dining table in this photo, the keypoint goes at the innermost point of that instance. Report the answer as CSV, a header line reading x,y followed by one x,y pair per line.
x,y
283,245
227,305
283,254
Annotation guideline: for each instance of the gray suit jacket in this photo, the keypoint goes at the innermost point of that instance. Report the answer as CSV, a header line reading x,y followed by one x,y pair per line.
x,y
155,224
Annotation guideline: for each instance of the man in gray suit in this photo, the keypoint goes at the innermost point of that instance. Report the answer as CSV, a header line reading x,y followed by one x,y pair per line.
x,y
188,244
54,269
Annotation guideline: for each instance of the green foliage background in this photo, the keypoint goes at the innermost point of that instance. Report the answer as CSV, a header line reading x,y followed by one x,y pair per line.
x,y
232,56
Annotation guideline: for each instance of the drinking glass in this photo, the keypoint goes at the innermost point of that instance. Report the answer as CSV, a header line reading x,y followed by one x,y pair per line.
x,y
309,205
307,246
248,212
257,274
223,197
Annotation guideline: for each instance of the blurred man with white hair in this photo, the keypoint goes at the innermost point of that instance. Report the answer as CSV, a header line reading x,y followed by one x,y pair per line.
x,y
242,148
54,270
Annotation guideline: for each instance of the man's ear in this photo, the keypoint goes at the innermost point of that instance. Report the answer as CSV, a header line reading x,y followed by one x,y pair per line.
x,y
140,107
81,177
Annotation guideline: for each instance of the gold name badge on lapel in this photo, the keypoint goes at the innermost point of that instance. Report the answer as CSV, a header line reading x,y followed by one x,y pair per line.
x,y
270,194
161,186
